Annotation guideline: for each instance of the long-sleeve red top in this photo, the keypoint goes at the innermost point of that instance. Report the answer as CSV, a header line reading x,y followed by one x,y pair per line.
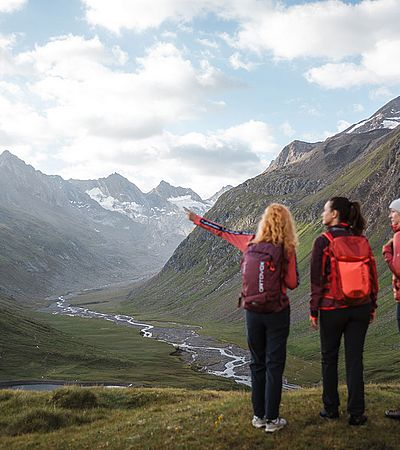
x,y
241,240
391,254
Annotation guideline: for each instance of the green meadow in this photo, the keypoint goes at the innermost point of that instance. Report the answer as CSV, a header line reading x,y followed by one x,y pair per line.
x,y
149,418
40,346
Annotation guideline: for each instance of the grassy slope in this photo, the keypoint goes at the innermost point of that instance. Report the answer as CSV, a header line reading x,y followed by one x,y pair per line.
x,y
175,418
44,346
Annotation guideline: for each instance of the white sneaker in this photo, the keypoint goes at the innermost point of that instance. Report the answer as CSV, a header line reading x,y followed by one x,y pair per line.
x,y
275,425
258,422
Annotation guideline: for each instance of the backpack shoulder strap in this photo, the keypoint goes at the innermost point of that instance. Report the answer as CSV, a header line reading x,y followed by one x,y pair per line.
x,y
329,236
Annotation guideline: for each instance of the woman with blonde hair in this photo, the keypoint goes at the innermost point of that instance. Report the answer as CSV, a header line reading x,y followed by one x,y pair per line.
x,y
268,268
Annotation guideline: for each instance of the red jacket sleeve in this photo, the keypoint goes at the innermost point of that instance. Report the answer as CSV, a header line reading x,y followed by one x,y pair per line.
x,y
387,252
291,279
239,239
317,275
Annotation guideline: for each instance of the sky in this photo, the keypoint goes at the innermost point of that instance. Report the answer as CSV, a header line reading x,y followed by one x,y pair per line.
x,y
200,93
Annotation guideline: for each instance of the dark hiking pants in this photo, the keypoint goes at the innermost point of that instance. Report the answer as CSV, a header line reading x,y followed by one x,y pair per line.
x,y
266,336
398,316
353,324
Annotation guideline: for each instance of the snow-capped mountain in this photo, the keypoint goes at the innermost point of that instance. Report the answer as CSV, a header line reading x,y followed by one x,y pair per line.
x,y
57,234
161,209
387,117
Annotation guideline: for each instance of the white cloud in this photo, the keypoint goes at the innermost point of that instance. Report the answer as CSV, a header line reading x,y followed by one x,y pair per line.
x,y
287,129
7,6
329,29
237,63
80,110
357,107
333,30
10,88
142,14
381,93
310,109
380,65
224,156
7,64
208,43
343,75
71,71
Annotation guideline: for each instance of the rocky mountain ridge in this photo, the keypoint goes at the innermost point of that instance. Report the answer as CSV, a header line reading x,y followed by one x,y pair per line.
x,y
161,209
381,122
58,235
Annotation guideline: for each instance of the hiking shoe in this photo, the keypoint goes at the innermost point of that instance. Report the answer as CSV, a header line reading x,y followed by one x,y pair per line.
x,y
258,422
393,414
275,425
357,420
324,414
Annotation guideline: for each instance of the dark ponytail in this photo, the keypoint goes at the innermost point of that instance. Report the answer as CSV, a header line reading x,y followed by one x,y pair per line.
x,y
349,212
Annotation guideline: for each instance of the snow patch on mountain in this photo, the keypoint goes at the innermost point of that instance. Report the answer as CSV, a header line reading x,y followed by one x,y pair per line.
x,y
131,209
186,201
388,117
376,123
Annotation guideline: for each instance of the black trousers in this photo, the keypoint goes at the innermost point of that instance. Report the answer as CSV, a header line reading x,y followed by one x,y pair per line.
x,y
267,336
353,324
398,315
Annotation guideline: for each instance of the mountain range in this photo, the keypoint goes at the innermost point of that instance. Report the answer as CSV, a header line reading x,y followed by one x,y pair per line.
x,y
59,235
202,278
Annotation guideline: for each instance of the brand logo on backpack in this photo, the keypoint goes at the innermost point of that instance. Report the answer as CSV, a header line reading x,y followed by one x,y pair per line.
x,y
350,268
261,277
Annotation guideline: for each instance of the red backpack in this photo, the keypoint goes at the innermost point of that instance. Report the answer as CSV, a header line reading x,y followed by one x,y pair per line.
x,y
261,269
350,259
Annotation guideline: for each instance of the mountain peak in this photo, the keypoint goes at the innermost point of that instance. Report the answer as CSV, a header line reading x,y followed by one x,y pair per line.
x,y
8,159
293,152
167,190
164,184
116,177
387,117
8,156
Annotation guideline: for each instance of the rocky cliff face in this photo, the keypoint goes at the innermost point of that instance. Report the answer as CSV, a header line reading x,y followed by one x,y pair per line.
x,y
293,152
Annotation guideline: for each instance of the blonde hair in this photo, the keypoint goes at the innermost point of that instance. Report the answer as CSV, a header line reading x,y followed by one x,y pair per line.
x,y
277,226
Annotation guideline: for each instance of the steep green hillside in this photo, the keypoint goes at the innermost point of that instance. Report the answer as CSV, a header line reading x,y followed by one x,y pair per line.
x,y
182,419
201,282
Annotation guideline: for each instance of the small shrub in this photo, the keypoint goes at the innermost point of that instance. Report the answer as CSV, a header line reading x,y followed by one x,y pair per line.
x,y
74,398
36,421
4,396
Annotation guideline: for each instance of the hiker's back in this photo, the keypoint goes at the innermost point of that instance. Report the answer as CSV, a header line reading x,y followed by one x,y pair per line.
x,y
262,270
349,280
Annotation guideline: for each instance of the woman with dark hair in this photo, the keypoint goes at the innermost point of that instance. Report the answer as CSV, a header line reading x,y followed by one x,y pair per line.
x,y
344,288
268,269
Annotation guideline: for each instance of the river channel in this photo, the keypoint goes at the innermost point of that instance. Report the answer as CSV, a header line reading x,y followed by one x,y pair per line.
x,y
203,352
